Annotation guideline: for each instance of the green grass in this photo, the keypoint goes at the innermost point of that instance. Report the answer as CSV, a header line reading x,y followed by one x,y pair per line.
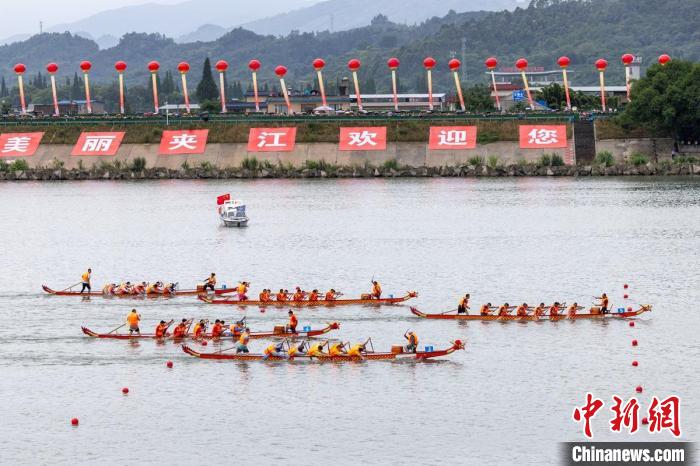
x,y
391,164
637,159
138,164
206,165
681,159
493,161
250,163
321,165
557,160
545,160
18,165
605,158
476,161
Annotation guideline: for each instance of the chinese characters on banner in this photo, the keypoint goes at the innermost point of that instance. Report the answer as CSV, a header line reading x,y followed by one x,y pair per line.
x,y
364,138
183,142
452,137
19,144
543,137
271,139
98,144
662,415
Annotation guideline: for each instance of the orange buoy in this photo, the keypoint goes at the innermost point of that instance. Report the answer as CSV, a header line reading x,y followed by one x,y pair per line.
x,y
639,389
635,343
169,364
635,363
125,391
74,421
632,324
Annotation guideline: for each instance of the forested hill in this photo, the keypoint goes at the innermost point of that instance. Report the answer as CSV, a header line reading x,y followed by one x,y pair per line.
x,y
583,30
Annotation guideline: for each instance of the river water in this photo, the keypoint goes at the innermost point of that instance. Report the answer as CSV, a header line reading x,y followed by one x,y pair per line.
x,y
507,399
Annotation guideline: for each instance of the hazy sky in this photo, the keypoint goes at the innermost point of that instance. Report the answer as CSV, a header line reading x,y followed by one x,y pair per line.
x,y
23,16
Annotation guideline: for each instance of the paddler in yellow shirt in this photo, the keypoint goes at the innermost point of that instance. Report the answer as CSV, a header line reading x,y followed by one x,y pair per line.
x,y
337,349
86,281
317,350
133,319
357,350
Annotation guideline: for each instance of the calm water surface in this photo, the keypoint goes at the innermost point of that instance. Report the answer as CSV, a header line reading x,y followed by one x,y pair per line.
x,y
507,399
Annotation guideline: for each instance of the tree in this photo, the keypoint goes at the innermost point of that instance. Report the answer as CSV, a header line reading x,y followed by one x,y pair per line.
x,y
478,99
3,88
667,100
77,88
207,89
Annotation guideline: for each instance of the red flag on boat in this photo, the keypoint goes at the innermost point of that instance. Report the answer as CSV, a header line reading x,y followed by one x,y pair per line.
x,y
221,199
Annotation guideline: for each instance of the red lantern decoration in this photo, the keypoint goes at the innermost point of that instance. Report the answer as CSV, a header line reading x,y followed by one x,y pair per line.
x,y
664,59
564,62
20,68
627,59
318,64
281,71
85,66
601,64
491,63
454,64
354,64
521,64
153,66
183,67
429,63
221,66
52,68
120,66
393,63
254,65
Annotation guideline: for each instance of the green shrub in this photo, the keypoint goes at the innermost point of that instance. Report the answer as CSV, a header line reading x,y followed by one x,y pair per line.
x,y
476,161
138,164
321,165
493,161
56,164
118,164
680,159
104,165
522,162
250,163
638,159
557,160
19,165
605,158
267,165
545,160
206,165
185,166
4,166
391,164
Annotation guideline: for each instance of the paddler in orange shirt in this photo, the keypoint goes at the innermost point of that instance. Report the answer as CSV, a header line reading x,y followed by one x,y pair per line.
x,y
313,296
293,322
217,329
331,295
485,310
200,328
463,305
539,310
573,309
133,319
376,290
554,310
298,295
180,330
522,310
265,296
162,329
504,310
412,338
210,282
604,303
86,281
281,296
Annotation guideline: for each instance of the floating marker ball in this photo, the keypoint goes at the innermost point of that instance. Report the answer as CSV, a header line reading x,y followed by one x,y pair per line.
x,y
626,286
632,324
627,296
635,363
635,342
74,421
125,391
169,364
629,309
639,389
204,342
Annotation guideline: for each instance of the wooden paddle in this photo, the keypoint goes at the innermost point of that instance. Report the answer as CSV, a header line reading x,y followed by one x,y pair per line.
x,y
117,328
66,289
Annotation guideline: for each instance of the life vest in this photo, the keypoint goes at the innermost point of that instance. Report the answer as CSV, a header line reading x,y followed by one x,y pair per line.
x,y
329,296
199,329
377,290
464,302
242,288
270,349
211,281
502,311
298,296
244,338
355,350
315,350
281,297
484,310
313,297
293,321
86,277
336,350
160,330
413,339
554,311
292,351
572,311
133,318
216,331
605,302
180,331
522,311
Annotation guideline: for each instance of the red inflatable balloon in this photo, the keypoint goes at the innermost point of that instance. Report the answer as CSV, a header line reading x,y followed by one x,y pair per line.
x,y
183,67
491,63
254,65
52,68
664,59
564,62
601,64
221,66
281,71
521,64
429,63
20,68
153,66
393,63
454,64
318,64
627,59
120,66
85,65
354,64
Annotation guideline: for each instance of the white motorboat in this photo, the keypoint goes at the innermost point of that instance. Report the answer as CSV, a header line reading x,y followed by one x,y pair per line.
x,y
232,213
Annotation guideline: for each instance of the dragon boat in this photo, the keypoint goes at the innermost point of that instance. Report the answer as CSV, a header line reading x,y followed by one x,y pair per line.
x,y
161,293
369,356
319,303
451,315
280,332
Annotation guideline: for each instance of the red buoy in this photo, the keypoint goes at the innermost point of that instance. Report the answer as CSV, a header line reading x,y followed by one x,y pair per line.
x,y
627,296
635,342
645,421
204,342
626,286
635,363
629,309
74,421
125,391
639,389
632,324
169,364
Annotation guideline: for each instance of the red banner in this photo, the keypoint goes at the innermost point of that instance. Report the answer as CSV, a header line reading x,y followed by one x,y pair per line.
x,y
221,199
452,137
271,139
363,138
543,137
184,142
98,144
19,144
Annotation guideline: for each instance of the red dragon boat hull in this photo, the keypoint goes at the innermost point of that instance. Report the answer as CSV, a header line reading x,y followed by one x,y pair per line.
x,y
253,335
321,303
532,318
139,295
418,356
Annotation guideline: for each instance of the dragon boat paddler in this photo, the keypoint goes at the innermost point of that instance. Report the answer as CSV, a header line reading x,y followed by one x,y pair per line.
x,y
281,296
162,329
200,328
357,350
86,281
243,340
180,330
293,322
124,288
296,350
554,309
217,329
109,289
604,303
376,290
242,290
331,295
299,295
237,328
463,305
504,310
275,350
133,319
573,309
210,283
316,349
485,309
521,311
265,297
313,296
412,338
337,349
540,310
